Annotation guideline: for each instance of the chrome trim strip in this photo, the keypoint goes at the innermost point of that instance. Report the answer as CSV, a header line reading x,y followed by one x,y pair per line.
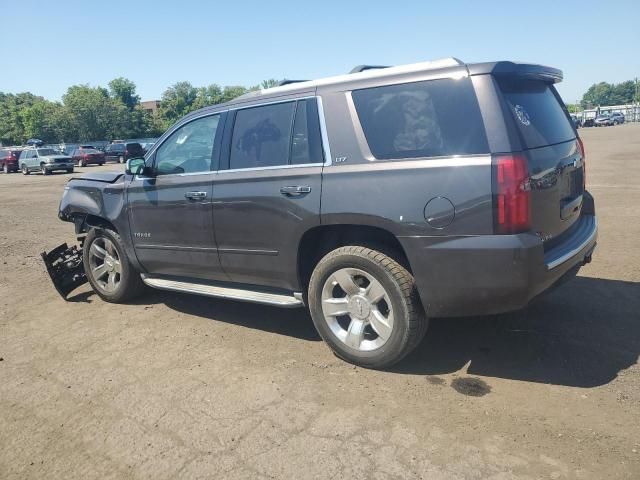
x,y
574,251
258,103
252,296
243,251
179,248
323,134
273,167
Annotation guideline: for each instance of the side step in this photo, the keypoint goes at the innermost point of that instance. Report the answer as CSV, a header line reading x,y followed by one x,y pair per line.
x,y
217,291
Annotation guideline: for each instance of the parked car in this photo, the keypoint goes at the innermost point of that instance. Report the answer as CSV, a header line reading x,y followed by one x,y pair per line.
x,y
9,159
378,199
604,120
86,155
45,160
121,152
617,118
576,121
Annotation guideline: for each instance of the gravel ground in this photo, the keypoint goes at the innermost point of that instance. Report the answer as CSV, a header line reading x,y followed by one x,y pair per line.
x,y
182,386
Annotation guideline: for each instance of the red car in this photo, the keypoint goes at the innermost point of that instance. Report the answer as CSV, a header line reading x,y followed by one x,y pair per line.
x,y
87,154
9,159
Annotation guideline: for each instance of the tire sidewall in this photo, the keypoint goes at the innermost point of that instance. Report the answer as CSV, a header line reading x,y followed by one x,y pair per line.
x,y
126,280
399,335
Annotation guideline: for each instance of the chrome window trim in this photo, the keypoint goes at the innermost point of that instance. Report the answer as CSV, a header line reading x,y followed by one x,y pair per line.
x,y
323,137
326,149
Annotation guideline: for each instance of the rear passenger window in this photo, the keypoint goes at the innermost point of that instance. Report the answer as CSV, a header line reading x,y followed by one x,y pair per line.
x,y
422,119
261,136
305,143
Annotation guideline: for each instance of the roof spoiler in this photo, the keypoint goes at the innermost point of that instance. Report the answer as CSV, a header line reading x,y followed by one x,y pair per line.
x,y
525,70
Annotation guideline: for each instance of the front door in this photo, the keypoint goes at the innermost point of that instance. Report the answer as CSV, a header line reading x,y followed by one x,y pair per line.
x,y
170,212
267,193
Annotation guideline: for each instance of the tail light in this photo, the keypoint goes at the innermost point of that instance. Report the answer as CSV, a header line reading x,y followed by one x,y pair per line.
x,y
584,164
85,156
512,194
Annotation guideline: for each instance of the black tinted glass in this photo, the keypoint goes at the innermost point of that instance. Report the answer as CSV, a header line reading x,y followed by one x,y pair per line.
x,y
537,112
421,119
305,143
261,136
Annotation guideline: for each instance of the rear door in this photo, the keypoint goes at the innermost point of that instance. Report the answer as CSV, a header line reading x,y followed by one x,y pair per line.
x,y
268,192
170,213
553,151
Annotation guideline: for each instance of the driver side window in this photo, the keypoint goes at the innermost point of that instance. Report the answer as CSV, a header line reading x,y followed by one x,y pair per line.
x,y
189,149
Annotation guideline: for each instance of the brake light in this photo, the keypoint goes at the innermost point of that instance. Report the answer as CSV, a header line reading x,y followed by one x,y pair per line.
x,y
85,156
584,163
512,194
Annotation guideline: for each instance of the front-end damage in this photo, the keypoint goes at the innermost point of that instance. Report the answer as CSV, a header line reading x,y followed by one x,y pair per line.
x,y
65,267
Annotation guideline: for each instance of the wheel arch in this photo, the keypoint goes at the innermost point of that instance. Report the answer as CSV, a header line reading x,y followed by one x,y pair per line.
x,y
320,240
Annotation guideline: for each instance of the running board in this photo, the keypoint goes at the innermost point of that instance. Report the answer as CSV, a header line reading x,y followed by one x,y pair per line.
x,y
217,291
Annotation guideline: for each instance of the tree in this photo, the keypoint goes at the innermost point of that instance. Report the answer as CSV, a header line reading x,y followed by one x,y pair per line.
x,y
270,83
124,90
177,101
44,120
609,94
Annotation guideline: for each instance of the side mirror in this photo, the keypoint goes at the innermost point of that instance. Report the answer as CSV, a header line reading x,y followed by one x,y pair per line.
x,y
135,166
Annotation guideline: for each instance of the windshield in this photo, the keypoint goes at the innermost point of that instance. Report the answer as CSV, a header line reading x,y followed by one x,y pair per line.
x,y
47,151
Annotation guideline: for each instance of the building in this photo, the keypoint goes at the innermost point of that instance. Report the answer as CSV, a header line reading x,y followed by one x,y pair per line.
x,y
151,106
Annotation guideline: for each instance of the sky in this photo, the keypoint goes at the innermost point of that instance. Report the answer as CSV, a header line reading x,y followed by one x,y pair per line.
x,y
47,46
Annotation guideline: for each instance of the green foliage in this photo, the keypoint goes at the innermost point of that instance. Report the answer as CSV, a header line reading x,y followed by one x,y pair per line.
x,y
124,90
604,94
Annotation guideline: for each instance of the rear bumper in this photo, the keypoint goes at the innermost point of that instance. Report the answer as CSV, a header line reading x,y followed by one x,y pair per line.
x,y
494,273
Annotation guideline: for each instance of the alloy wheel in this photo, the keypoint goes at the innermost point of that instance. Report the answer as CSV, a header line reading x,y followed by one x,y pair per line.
x,y
357,309
104,264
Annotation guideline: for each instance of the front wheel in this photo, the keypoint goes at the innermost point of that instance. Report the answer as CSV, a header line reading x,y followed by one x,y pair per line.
x,y
25,170
121,160
69,170
108,268
365,305
5,168
44,170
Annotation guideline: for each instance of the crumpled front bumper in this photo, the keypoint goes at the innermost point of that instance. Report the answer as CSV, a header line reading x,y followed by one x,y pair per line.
x,y
65,267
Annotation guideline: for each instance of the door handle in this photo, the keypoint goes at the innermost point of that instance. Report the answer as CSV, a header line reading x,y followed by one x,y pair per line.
x,y
196,195
295,190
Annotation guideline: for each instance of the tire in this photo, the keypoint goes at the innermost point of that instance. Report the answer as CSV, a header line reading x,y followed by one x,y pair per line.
x,y
5,168
127,283
69,170
375,344
25,170
100,164
80,163
44,170
121,160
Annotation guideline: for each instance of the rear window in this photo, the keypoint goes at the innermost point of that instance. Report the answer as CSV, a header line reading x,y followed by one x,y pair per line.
x,y
422,119
537,112
134,147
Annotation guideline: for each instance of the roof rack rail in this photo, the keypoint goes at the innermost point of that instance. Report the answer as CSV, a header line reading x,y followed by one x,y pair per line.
x,y
286,81
362,68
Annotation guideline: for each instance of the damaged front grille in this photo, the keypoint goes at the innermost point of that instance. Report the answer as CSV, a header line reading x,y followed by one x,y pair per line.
x,y
65,268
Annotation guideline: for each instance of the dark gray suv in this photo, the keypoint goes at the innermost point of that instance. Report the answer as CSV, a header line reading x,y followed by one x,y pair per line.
x,y
378,199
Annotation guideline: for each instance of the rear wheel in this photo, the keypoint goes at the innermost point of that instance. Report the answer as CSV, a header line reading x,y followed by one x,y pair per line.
x,y
80,163
365,306
108,268
25,170
69,170
5,168
121,160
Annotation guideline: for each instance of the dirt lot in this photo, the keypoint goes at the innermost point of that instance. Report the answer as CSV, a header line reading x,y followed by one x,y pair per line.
x,y
182,386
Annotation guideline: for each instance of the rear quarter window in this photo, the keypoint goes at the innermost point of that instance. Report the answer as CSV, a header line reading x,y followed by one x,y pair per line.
x,y
422,119
537,112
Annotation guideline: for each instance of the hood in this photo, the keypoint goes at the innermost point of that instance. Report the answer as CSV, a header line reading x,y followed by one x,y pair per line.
x,y
106,177
57,157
